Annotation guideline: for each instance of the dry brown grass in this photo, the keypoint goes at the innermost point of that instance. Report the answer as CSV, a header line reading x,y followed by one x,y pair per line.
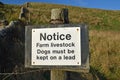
x,y
105,53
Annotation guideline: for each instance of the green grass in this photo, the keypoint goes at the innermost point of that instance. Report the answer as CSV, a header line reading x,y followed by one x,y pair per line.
x,y
95,18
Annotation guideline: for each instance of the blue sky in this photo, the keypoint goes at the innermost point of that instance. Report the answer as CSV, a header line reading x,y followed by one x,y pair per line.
x,y
101,4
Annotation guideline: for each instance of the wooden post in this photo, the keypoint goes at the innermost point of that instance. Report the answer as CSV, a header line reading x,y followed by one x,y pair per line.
x,y
27,4
29,15
59,16
58,75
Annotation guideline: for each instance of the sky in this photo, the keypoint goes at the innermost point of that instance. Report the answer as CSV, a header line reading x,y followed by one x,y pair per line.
x,y
99,4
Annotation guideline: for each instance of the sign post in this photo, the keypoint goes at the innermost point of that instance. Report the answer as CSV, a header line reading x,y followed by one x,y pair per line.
x,y
59,47
59,16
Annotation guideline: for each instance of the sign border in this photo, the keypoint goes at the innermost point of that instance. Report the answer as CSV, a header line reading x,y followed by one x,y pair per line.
x,y
84,48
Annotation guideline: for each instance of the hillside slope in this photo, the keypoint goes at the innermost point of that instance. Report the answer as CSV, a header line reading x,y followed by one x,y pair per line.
x,y
40,14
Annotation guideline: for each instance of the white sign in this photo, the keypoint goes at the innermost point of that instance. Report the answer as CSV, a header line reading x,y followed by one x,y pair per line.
x,y
56,46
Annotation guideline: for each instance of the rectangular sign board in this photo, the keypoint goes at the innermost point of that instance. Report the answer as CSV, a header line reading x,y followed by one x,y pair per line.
x,y
56,46
63,47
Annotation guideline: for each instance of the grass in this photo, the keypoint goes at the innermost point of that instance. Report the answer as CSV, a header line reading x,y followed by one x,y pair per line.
x,y
105,53
95,18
